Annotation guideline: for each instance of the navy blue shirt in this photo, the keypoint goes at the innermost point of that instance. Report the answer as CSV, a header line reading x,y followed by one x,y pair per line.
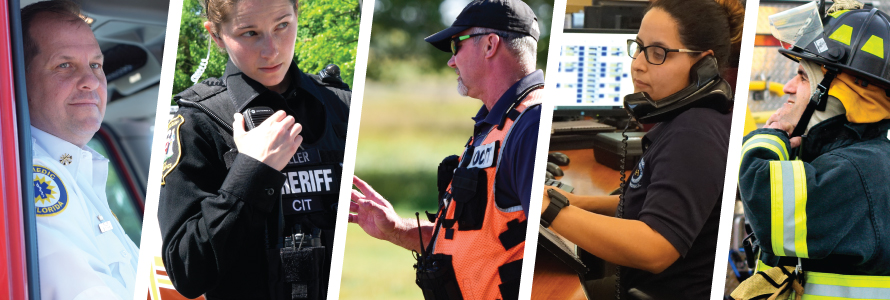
x,y
676,190
513,182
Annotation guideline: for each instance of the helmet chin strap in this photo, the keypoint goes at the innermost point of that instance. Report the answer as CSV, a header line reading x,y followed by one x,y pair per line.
x,y
818,101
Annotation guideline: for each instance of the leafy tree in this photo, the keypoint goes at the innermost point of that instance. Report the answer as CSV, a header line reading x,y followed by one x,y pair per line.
x,y
401,25
327,34
192,47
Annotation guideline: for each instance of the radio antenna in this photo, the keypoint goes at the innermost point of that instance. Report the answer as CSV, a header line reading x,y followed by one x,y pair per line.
x,y
420,234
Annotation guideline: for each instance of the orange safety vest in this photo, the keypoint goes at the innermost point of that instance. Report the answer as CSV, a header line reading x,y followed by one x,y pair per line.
x,y
483,252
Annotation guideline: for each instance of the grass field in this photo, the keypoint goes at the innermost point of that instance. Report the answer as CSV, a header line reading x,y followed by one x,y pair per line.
x,y
374,269
407,128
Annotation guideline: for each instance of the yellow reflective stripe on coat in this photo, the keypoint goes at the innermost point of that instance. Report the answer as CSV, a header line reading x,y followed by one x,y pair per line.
x,y
788,207
767,141
823,286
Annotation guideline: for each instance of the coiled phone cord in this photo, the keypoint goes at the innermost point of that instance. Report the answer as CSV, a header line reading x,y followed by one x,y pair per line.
x,y
619,212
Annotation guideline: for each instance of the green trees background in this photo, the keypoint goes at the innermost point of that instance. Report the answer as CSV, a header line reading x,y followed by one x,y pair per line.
x,y
327,34
397,45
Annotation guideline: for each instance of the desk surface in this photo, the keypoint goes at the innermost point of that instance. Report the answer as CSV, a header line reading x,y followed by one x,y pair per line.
x,y
554,280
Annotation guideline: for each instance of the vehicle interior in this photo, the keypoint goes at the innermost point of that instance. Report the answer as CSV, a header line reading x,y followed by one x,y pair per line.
x,y
131,35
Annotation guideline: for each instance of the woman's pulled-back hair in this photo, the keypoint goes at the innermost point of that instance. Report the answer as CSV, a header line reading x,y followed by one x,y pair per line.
x,y
708,25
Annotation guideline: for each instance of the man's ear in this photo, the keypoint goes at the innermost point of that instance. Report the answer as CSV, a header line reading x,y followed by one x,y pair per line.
x,y
209,26
492,41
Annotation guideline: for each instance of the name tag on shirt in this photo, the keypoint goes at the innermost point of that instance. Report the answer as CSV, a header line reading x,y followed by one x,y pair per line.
x,y
303,157
484,156
105,226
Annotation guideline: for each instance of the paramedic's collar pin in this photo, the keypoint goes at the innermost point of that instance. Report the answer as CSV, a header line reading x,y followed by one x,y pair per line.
x,y
65,159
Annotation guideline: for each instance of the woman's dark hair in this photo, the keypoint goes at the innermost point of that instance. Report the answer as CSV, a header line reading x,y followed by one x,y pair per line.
x,y
708,25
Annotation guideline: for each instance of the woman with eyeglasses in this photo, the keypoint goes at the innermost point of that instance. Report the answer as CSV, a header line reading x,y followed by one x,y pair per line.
x,y
662,230
253,161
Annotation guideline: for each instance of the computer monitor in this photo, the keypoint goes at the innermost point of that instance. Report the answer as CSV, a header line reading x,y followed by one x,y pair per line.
x,y
593,74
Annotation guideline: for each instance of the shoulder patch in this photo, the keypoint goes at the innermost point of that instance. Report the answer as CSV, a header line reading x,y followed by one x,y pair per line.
x,y
637,174
172,148
50,193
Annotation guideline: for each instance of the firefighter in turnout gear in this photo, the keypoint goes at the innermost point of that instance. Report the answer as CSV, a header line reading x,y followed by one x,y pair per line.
x,y
472,248
813,181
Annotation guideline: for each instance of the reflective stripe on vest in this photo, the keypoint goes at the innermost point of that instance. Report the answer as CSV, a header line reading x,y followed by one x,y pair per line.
x,y
477,254
825,286
788,181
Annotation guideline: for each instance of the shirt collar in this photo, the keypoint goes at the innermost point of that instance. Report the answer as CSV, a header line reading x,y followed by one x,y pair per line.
x,y
506,100
653,134
243,89
57,149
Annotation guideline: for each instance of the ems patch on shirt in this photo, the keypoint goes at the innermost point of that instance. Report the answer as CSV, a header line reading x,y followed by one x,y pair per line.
x,y
50,193
638,174
172,148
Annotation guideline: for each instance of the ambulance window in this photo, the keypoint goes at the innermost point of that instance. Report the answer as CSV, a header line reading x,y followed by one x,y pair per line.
x,y
120,200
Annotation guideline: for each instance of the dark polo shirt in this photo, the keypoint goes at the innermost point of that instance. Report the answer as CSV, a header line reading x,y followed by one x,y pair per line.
x,y
676,189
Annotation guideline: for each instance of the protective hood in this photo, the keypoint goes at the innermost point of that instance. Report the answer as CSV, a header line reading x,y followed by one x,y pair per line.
x,y
815,74
868,104
707,89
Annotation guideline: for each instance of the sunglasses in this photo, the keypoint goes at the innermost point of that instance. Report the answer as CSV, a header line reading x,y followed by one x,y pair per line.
x,y
655,55
455,41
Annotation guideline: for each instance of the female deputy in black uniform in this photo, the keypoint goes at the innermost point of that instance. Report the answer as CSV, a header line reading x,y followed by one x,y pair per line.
x,y
665,234
249,213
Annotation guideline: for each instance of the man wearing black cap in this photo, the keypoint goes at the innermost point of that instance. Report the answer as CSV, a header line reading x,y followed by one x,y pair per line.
x,y
473,246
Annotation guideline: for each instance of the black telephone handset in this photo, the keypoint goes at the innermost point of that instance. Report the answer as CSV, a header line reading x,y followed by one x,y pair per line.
x,y
705,82
255,116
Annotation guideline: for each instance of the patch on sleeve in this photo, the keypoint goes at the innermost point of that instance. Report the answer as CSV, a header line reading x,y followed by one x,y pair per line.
x,y
638,174
50,193
172,148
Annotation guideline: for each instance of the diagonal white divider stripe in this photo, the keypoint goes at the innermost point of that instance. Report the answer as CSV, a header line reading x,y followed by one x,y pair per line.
x,y
355,116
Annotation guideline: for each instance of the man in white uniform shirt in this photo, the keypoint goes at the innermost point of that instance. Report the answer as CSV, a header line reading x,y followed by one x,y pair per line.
x,y
83,250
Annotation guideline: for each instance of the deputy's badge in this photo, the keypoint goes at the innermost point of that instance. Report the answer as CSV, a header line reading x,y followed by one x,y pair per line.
x,y
638,174
65,159
50,194
172,148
